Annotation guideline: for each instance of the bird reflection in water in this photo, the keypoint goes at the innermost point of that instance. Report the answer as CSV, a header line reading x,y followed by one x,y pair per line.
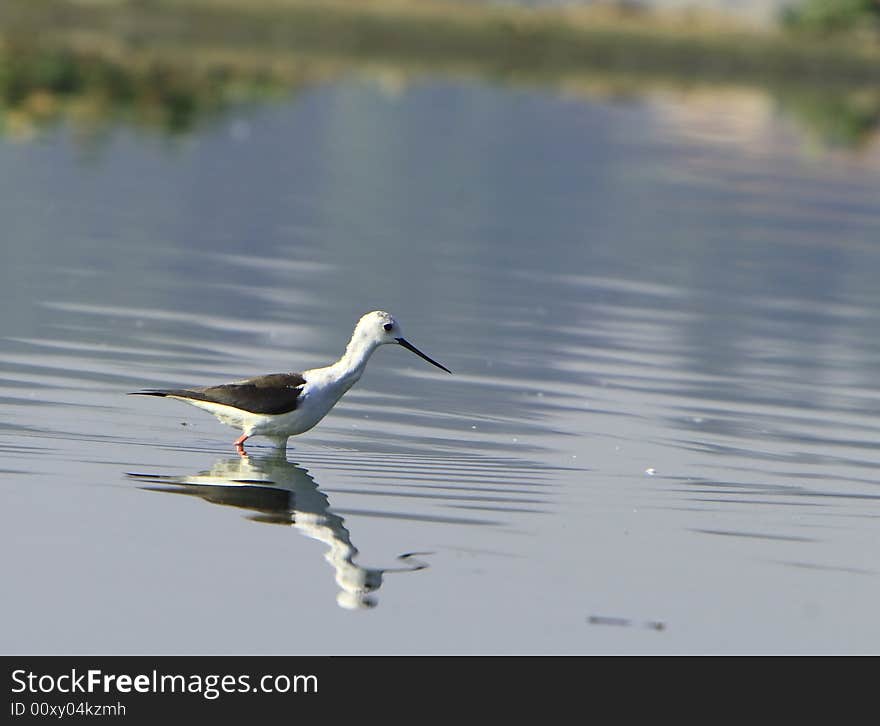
x,y
281,492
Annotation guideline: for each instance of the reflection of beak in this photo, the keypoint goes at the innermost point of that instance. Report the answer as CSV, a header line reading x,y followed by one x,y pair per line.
x,y
409,558
410,346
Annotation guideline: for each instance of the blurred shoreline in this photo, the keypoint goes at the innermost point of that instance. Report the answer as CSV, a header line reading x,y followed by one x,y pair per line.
x,y
169,65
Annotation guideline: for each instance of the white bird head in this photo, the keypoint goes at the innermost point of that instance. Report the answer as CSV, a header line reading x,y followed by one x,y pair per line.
x,y
380,328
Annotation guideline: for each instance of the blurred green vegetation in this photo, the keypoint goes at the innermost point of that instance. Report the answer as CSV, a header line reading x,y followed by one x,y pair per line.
x,y
836,120
834,17
171,66
42,84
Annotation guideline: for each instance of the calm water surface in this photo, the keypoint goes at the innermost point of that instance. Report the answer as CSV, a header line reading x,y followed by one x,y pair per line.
x,y
661,435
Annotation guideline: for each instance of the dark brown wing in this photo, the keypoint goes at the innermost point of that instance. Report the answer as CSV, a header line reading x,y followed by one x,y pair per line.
x,y
275,393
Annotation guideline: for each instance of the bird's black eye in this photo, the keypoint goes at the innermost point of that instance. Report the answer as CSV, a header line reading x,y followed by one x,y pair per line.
x,y
388,326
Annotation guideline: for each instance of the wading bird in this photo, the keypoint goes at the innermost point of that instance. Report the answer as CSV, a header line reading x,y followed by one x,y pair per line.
x,y
280,405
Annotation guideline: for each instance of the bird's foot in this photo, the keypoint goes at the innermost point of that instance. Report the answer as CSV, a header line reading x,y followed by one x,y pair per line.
x,y
239,445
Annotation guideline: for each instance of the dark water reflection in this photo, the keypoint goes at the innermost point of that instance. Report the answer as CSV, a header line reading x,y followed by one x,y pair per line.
x,y
281,492
664,408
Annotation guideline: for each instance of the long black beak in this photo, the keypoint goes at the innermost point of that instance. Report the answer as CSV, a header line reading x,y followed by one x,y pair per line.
x,y
409,346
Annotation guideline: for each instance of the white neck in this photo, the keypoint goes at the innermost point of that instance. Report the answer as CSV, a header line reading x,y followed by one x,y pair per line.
x,y
349,368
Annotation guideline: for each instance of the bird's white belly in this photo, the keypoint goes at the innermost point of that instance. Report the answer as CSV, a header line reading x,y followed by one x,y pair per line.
x,y
312,406
285,424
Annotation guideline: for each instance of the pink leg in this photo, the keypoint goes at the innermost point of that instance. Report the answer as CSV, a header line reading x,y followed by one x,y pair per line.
x,y
239,444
